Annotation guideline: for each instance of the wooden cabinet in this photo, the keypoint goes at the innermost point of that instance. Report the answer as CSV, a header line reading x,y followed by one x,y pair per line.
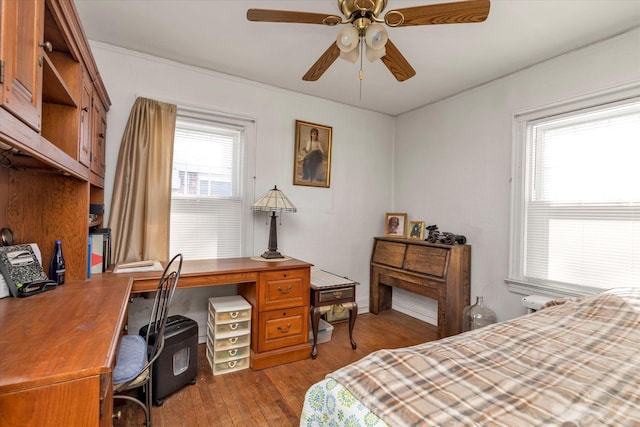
x,y
86,118
441,272
281,313
284,309
52,119
98,133
21,59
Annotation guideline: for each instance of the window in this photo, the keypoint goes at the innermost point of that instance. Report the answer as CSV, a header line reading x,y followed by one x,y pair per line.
x,y
209,198
576,199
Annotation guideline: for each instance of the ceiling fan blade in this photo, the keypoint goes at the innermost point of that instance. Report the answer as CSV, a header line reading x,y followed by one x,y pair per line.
x,y
444,13
397,63
267,15
323,63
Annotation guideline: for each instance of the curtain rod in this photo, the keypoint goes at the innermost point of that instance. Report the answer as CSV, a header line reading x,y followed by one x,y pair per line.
x,y
191,108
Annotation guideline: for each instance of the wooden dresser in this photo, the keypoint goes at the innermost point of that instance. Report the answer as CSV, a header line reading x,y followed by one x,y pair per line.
x,y
441,272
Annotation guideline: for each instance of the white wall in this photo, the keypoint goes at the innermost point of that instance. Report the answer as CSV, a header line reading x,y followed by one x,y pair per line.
x,y
333,228
453,158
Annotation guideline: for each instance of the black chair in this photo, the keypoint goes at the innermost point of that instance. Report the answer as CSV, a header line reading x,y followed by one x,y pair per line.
x,y
137,354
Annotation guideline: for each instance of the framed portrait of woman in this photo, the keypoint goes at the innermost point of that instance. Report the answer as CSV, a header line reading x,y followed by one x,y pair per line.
x,y
395,225
312,155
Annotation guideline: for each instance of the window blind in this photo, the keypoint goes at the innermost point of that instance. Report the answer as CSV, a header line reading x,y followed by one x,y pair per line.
x,y
580,209
209,201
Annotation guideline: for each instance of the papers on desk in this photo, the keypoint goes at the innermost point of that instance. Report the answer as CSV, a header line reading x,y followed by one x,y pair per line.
x,y
138,266
321,278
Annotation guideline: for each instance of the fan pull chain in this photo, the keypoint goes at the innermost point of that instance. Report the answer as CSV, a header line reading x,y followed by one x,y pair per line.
x,y
361,46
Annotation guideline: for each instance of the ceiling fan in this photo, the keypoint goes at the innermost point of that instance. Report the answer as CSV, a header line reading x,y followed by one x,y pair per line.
x,y
366,33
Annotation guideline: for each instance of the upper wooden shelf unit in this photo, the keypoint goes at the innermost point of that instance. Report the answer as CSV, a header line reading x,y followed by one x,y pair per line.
x,y
53,107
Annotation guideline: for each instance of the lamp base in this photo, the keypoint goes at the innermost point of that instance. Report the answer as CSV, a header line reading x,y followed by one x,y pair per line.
x,y
271,255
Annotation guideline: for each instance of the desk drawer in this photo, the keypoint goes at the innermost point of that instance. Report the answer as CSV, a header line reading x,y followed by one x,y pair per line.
x,y
228,341
336,296
226,366
229,316
228,354
389,253
284,289
427,260
224,330
282,328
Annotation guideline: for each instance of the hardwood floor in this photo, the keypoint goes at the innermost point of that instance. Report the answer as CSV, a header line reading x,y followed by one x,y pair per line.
x,y
274,396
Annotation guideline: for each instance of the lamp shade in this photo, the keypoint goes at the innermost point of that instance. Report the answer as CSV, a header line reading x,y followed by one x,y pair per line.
x,y
348,39
376,39
351,56
274,201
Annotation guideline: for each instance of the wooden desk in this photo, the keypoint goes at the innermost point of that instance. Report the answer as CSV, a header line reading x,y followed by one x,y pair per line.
x,y
441,272
58,350
278,292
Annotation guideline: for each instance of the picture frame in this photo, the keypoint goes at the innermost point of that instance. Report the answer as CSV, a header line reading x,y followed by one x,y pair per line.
x,y
395,225
416,230
312,157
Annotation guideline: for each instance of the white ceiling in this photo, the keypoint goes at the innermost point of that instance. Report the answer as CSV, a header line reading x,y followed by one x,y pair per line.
x,y
448,59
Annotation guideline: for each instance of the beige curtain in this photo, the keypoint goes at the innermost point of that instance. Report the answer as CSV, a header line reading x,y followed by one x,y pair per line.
x,y
141,201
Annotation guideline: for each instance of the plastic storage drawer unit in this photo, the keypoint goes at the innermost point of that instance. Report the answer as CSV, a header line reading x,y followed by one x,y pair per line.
x,y
177,364
228,334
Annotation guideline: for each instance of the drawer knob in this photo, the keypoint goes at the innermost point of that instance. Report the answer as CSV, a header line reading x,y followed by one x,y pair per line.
x,y
233,326
233,340
233,314
48,46
337,294
282,291
284,331
233,352
232,364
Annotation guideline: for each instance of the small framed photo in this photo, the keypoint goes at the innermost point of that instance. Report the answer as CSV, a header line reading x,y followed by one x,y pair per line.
x,y
416,230
395,225
312,158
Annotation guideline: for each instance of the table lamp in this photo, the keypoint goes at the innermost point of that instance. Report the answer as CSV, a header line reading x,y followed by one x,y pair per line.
x,y
274,201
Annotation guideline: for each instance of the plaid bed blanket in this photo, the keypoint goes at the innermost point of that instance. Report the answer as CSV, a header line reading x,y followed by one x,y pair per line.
x,y
574,363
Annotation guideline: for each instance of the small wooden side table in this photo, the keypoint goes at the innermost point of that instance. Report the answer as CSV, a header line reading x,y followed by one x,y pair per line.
x,y
327,290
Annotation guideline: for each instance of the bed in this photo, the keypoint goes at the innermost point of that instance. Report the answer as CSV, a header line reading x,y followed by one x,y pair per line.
x,y
576,362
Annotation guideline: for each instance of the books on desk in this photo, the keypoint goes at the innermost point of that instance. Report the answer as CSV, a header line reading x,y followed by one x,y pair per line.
x,y
138,266
99,251
324,279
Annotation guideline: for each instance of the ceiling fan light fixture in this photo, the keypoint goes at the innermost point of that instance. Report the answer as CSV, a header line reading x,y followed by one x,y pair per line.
x,y
375,54
351,56
348,39
362,17
376,38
